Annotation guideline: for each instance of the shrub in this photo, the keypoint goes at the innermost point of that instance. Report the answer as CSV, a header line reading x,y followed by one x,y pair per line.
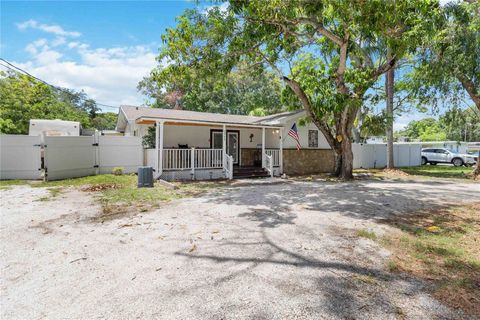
x,y
118,171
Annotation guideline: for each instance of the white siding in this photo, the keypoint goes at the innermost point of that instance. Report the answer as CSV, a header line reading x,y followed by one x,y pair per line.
x,y
289,143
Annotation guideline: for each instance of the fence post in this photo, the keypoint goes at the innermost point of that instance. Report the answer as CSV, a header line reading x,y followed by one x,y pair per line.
x,y
192,162
96,140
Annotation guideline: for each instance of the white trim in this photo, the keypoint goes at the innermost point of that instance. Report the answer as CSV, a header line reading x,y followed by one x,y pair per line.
x,y
263,147
126,119
220,124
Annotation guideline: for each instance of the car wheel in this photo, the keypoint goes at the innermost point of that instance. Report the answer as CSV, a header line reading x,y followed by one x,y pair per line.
x,y
433,163
424,161
457,162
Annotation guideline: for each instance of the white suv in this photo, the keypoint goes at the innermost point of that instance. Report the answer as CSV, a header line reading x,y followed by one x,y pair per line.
x,y
442,155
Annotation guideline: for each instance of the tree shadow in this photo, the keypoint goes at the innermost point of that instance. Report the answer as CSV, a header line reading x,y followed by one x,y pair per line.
x,y
376,200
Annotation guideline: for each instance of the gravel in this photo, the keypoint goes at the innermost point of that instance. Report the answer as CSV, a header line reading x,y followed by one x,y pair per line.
x,y
252,251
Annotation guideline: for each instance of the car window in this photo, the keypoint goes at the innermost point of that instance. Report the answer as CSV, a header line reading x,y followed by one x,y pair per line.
x,y
427,150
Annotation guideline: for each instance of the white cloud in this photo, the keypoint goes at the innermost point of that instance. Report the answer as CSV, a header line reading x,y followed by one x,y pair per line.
x,y
223,7
109,75
53,29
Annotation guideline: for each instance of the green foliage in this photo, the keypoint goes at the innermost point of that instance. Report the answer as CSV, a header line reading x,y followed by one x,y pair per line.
x,y
24,98
450,126
117,171
105,121
448,63
459,124
148,140
238,92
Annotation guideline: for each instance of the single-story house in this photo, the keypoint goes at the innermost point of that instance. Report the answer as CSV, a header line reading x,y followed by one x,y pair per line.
x,y
201,145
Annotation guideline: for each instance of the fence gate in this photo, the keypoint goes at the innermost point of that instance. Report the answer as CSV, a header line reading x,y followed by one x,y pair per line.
x,y
69,157
20,157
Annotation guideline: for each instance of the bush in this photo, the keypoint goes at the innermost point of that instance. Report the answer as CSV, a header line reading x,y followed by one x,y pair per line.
x,y
118,171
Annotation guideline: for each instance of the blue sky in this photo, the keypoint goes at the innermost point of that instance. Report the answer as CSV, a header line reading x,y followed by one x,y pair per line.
x,y
102,47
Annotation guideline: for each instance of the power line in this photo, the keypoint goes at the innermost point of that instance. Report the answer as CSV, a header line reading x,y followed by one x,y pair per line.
x,y
14,68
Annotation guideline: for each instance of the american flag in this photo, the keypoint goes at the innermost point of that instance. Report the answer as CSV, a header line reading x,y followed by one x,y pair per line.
x,y
294,134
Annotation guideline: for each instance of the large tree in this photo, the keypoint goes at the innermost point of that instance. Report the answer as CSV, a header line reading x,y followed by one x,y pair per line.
x,y
448,66
327,52
23,98
244,90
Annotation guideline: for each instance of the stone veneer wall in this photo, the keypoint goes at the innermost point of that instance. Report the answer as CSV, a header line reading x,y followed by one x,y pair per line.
x,y
307,161
248,156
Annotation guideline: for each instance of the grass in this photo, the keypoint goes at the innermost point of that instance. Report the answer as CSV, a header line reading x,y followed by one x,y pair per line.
x,y
439,171
441,246
427,171
118,194
366,234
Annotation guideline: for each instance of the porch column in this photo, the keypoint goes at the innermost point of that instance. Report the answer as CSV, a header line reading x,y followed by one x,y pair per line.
x,y
280,151
263,147
159,148
224,145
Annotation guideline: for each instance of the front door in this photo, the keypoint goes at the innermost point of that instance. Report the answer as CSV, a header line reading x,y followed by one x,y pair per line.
x,y
232,146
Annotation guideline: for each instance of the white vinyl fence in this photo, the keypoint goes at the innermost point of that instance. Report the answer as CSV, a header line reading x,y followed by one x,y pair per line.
x,y
118,151
67,156
20,157
368,156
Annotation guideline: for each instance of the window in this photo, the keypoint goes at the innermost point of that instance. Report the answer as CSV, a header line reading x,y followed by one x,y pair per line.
x,y
313,138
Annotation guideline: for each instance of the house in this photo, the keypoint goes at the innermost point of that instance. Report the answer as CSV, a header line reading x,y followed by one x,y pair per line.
x,y
200,145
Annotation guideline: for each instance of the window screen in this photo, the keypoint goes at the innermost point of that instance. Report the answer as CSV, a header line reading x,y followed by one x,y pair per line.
x,y
313,138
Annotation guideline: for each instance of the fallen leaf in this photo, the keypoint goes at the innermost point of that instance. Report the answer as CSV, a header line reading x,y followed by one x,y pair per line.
x,y
193,248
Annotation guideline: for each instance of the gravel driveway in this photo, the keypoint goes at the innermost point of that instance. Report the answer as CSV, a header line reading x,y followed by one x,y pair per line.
x,y
260,251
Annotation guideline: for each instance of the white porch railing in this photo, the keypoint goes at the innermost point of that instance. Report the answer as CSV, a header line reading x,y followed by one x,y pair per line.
x,y
183,159
228,166
176,159
269,164
208,158
275,154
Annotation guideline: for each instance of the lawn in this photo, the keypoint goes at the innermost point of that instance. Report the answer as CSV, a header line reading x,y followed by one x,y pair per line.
x,y
439,171
427,171
440,246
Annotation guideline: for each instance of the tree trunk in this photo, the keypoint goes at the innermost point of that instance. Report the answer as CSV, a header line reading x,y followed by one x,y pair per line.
x,y
472,91
476,171
389,89
344,126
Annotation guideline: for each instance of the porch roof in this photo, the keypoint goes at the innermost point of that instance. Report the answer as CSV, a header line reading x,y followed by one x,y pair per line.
x,y
150,115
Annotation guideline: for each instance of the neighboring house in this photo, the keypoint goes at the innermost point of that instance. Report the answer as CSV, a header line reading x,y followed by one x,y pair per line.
x,y
54,127
200,145
375,139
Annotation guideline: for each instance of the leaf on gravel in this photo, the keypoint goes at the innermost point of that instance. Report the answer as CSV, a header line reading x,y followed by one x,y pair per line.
x,y
193,248
100,187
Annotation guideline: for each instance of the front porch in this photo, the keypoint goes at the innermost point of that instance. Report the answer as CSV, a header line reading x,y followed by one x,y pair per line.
x,y
186,150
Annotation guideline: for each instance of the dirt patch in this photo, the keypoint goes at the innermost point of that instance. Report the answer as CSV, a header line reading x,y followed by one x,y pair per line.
x,y
394,173
269,251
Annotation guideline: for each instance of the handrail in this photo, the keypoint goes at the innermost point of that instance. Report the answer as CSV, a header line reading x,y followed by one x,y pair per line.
x,y
228,167
269,164
275,153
